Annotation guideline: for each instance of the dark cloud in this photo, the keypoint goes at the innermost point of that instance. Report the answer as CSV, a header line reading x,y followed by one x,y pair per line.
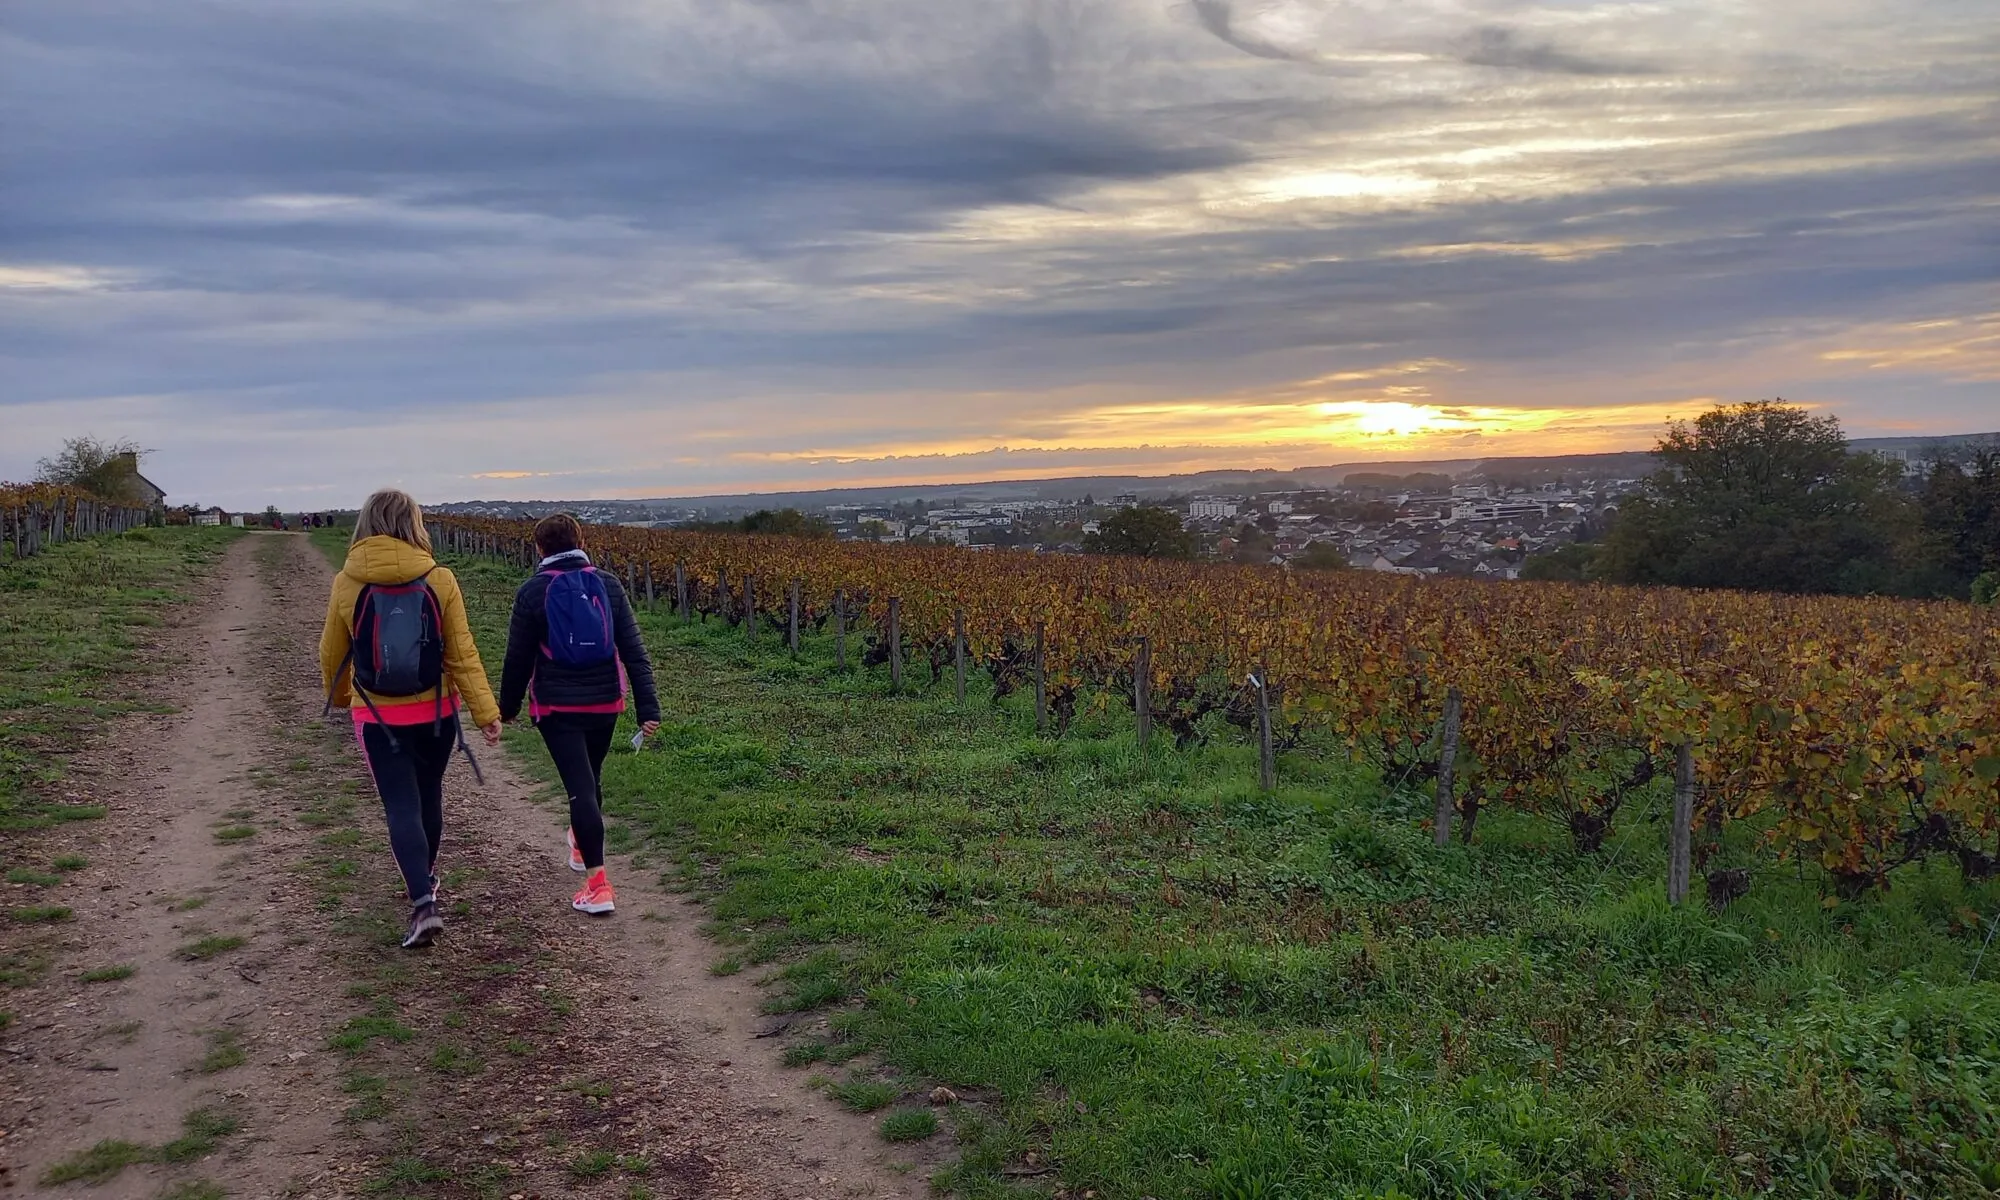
x,y
208,101
1500,46
1219,18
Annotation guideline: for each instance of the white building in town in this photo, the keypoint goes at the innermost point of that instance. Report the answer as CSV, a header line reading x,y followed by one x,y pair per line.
x,y
1499,510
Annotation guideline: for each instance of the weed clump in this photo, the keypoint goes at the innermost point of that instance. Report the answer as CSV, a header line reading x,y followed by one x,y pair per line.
x,y
909,1125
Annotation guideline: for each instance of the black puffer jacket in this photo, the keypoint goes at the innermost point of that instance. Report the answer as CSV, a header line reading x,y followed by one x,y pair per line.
x,y
559,686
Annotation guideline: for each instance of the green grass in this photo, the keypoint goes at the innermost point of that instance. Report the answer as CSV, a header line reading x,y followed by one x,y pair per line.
x,y
69,862
29,875
109,974
202,1132
864,1095
804,1054
73,625
404,1172
592,1163
225,1050
1172,984
359,1031
41,914
99,1163
235,833
909,1125
456,1060
373,1092
194,1189
204,948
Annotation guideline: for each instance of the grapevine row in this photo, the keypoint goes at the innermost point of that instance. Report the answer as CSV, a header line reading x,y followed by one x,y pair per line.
x,y
34,517
1860,734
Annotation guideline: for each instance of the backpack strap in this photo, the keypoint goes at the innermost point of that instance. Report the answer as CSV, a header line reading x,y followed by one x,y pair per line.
x,y
388,731
470,761
347,660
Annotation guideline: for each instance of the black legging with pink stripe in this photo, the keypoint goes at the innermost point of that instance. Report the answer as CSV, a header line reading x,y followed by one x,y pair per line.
x,y
578,743
410,777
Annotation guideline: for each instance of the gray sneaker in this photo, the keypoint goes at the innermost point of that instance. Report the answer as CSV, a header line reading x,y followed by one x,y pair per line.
x,y
425,925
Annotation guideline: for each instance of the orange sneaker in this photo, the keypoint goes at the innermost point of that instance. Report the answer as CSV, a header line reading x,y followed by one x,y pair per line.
x,y
575,855
596,896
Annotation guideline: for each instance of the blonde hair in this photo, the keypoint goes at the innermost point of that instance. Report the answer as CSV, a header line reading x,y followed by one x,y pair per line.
x,y
392,513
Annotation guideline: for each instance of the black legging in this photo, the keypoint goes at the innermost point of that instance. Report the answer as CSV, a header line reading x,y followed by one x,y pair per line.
x,y
578,743
410,778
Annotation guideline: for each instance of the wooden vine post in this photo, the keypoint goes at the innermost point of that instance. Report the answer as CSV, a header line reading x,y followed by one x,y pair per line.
x,y
1267,757
750,608
1142,690
895,643
1447,767
840,629
681,589
958,651
1681,836
649,584
792,634
723,596
1041,678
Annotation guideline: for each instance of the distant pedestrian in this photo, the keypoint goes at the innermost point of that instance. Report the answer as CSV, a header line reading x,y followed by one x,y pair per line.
x,y
398,653
572,646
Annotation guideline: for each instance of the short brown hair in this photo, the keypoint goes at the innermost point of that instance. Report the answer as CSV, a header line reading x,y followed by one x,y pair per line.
x,y
395,514
558,533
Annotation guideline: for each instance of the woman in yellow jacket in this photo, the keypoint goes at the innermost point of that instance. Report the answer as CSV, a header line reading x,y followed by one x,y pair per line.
x,y
398,653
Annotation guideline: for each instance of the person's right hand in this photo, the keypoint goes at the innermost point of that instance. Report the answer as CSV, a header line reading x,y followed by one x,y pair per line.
x,y
492,733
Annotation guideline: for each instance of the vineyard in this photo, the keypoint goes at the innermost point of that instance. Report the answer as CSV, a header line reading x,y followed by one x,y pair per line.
x,y
34,517
1860,735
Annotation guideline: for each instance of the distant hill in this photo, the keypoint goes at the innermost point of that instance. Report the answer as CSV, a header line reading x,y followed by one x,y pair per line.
x,y
1524,469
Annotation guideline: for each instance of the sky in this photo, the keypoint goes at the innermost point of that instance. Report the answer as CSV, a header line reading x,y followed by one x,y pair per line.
x,y
300,249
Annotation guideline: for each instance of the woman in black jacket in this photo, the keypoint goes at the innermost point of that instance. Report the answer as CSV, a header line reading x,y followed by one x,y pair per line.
x,y
574,683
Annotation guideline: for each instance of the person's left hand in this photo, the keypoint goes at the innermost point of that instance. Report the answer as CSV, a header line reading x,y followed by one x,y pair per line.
x,y
492,733
649,728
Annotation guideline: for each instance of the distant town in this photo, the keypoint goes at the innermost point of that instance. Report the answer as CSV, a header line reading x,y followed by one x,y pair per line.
x,y
1482,518
1416,524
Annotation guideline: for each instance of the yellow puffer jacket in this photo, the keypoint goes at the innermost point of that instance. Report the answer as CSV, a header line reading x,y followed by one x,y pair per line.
x,y
382,560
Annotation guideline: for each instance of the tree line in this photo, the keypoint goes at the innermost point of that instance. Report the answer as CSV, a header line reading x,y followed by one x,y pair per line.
x,y
1766,497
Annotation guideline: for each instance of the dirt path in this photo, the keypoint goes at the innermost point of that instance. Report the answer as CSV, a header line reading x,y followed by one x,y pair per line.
x,y
532,1052
124,1060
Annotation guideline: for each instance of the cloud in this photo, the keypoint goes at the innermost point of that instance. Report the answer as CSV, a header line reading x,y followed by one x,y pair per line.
x,y
1346,34
1500,46
664,244
1219,18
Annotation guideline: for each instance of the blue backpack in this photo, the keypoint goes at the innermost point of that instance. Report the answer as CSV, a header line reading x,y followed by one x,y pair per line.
x,y
577,610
